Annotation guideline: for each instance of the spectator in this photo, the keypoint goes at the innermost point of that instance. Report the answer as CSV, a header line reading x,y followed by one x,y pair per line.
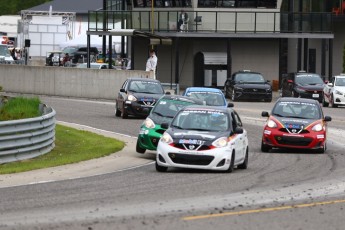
x,y
151,64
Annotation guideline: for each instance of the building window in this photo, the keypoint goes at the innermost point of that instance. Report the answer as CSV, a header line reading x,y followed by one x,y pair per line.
x,y
238,3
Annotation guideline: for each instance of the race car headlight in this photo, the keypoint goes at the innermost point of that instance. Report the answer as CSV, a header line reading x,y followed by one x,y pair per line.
x,y
149,123
220,142
131,98
317,127
166,138
338,92
271,124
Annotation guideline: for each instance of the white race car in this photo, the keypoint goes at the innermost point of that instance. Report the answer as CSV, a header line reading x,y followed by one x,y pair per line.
x,y
203,137
334,92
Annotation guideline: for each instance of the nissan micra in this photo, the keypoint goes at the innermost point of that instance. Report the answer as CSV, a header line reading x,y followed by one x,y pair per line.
x,y
203,137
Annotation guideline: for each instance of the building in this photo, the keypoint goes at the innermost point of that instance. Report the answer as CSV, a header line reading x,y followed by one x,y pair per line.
x,y
269,36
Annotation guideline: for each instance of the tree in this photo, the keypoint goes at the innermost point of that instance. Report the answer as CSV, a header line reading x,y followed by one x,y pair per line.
x,y
13,7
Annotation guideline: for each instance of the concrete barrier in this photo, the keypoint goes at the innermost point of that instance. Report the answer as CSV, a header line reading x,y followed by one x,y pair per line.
x,y
68,82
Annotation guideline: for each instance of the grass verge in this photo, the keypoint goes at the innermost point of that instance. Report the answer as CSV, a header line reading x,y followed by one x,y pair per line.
x,y
20,108
71,146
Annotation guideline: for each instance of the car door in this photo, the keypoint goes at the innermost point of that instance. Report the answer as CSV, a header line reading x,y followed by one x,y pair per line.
x,y
240,140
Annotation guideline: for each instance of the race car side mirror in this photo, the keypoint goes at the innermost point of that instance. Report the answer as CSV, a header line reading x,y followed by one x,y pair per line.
x,y
165,125
330,84
327,118
238,130
265,114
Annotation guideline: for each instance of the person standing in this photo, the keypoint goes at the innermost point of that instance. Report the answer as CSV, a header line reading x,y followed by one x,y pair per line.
x,y
151,64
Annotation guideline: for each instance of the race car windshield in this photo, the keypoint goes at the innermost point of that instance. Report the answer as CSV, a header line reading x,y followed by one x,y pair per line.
x,y
211,98
297,110
145,87
340,82
169,108
249,78
202,120
310,79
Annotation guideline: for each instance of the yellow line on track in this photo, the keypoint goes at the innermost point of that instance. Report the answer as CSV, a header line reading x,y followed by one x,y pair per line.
x,y
262,210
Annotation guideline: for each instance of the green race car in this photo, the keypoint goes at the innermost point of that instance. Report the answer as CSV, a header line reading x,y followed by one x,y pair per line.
x,y
163,112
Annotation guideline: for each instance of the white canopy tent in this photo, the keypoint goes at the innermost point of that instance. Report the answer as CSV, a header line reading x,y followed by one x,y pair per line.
x,y
95,41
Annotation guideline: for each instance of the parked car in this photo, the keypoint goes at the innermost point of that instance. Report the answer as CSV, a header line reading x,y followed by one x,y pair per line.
x,y
212,96
302,84
203,137
334,92
137,97
248,85
296,123
163,112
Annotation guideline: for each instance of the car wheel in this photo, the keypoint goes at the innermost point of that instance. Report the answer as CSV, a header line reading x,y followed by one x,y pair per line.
x,y
161,168
124,114
244,165
232,163
268,100
323,149
333,105
117,111
139,149
233,95
324,103
265,148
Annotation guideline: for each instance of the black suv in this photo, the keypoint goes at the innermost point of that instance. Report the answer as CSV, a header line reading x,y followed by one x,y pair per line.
x,y
248,85
302,84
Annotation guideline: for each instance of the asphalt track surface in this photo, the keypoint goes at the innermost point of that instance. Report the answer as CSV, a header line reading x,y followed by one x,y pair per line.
x,y
280,190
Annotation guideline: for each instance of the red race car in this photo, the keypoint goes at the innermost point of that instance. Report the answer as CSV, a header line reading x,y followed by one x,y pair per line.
x,y
296,123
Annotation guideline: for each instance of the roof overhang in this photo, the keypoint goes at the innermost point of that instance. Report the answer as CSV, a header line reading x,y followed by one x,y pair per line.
x,y
155,39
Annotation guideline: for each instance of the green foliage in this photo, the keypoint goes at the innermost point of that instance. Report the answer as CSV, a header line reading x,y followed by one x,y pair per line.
x,y
13,7
20,108
71,146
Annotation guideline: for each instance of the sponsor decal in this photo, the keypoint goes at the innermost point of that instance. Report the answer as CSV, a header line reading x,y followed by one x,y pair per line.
x,y
267,132
320,136
191,142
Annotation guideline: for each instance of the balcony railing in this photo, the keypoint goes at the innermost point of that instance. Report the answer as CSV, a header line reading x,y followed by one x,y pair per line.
x,y
211,21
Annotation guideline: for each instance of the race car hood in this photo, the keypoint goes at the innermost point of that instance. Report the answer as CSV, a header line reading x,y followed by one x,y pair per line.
x,y
294,125
318,87
253,85
146,96
194,136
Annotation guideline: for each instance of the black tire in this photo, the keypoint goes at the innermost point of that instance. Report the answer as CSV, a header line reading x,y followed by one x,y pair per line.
x,y
324,103
244,165
322,150
265,148
124,114
233,95
161,168
333,105
139,149
268,100
232,163
117,111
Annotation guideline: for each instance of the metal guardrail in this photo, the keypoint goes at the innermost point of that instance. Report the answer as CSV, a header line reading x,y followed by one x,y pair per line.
x,y
27,138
